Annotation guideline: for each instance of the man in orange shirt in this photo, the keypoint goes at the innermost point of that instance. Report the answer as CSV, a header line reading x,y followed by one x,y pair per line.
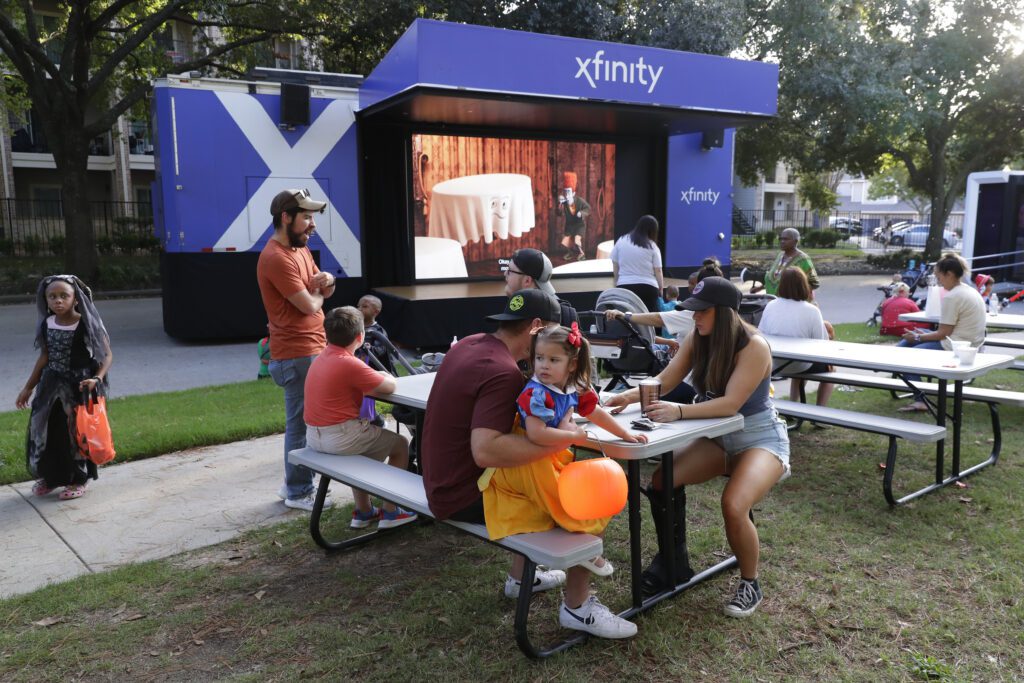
x,y
293,291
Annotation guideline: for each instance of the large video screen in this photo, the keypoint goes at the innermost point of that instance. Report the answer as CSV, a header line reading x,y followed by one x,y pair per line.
x,y
478,199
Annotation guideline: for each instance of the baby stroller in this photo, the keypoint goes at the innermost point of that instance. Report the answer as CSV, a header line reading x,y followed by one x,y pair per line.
x,y
913,277
373,344
622,348
752,307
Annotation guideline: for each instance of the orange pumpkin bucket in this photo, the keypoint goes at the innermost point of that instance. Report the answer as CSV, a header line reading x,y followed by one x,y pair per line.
x,y
591,489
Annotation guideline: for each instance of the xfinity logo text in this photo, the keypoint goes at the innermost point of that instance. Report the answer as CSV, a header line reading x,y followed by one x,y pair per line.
x,y
598,69
694,195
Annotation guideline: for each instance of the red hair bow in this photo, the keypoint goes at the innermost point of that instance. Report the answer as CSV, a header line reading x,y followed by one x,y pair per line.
x,y
574,337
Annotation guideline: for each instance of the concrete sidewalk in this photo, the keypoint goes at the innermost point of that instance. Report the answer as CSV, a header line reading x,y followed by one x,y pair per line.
x,y
142,510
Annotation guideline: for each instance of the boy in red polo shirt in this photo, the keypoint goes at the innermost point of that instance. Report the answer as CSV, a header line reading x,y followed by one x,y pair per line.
x,y
335,387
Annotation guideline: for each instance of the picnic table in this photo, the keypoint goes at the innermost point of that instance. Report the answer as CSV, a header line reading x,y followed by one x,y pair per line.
x,y
903,361
412,391
1008,321
999,321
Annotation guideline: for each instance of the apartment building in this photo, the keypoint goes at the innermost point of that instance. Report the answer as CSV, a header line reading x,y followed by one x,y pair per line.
x,y
121,166
774,201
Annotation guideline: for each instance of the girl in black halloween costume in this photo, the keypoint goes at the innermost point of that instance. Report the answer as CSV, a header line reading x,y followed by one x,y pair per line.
x,y
74,357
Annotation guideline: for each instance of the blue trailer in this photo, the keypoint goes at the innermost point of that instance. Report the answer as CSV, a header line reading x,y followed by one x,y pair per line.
x,y
455,151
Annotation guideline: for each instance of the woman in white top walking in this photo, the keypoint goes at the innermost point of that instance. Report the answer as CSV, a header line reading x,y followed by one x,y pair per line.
x,y
636,262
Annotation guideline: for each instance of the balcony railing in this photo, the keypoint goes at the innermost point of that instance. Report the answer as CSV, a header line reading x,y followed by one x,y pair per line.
x,y
36,227
25,140
177,51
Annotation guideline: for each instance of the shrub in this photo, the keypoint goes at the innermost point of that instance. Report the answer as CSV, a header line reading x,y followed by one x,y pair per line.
x,y
894,260
57,243
127,275
31,245
6,247
105,245
126,240
825,239
149,243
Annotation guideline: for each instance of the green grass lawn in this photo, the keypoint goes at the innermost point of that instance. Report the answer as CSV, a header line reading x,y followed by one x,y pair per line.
x,y
862,334
153,424
853,591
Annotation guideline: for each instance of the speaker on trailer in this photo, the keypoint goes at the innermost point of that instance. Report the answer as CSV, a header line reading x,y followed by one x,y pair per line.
x,y
294,104
712,139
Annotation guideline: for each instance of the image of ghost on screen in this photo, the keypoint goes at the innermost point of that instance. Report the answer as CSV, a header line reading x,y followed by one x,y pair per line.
x,y
479,199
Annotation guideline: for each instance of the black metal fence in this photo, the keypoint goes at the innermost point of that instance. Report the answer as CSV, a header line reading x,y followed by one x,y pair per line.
x,y
759,228
36,227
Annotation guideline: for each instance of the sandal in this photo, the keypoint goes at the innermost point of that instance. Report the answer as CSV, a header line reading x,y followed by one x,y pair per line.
x,y
605,569
72,491
40,488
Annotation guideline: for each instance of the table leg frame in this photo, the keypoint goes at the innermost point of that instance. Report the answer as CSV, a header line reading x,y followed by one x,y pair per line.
x,y
522,615
316,516
641,604
956,474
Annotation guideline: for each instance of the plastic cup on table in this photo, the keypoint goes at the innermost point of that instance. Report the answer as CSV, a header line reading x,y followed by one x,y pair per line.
x,y
966,355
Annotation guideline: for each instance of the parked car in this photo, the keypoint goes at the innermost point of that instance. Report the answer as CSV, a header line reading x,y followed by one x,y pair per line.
x,y
916,236
881,233
848,227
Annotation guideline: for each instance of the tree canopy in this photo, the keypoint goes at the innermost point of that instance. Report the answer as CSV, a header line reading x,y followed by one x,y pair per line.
x,y
85,63
357,41
937,86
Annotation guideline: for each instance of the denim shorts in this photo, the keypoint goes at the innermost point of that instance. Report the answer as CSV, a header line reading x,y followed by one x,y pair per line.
x,y
761,430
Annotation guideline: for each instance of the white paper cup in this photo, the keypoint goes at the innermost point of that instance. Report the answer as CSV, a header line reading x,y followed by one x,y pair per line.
x,y
959,344
966,355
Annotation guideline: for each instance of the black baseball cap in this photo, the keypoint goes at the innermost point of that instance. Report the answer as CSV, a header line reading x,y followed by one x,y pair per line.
x,y
534,263
712,291
527,304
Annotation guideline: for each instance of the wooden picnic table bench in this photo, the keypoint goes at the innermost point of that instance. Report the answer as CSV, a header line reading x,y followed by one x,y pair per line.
x,y
557,548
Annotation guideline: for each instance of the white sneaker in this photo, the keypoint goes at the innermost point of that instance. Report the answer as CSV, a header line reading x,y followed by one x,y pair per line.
x,y
543,579
306,502
282,492
595,619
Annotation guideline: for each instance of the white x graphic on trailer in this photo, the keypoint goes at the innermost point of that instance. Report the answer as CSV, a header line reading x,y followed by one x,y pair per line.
x,y
286,164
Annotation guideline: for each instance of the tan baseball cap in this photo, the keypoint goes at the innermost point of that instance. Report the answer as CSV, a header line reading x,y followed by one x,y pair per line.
x,y
294,199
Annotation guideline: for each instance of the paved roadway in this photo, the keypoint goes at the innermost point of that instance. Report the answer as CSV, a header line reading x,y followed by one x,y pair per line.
x,y
146,360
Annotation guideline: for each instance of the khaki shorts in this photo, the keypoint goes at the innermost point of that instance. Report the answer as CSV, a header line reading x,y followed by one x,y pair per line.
x,y
355,437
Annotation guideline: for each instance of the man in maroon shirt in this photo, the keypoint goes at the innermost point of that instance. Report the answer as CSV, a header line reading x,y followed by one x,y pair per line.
x,y
470,413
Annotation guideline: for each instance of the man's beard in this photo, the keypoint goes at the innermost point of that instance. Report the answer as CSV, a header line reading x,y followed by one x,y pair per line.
x,y
297,239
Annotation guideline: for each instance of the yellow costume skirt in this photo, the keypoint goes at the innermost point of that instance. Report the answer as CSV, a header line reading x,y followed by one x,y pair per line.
x,y
523,499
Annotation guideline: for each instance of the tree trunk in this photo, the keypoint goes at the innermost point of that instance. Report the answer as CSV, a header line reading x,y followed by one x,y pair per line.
x,y
80,256
933,247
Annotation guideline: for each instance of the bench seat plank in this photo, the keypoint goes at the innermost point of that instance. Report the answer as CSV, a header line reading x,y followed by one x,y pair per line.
x,y
557,548
877,424
1005,343
876,381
